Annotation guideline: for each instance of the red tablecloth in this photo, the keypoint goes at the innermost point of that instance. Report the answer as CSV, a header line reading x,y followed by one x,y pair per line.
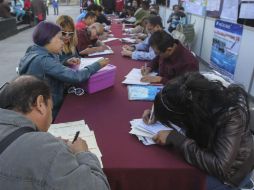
x,y
128,164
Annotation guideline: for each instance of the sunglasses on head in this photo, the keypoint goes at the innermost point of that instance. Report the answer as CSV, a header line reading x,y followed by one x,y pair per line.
x,y
64,34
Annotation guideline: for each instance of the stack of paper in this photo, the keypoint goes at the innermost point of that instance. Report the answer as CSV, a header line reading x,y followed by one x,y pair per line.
x,y
88,61
84,62
134,77
68,131
105,52
146,132
129,34
118,19
129,40
143,92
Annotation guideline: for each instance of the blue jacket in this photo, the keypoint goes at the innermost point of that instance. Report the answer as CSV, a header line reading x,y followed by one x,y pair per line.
x,y
46,66
143,51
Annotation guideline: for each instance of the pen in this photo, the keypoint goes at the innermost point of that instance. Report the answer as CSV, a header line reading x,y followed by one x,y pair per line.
x,y
76,136
151,115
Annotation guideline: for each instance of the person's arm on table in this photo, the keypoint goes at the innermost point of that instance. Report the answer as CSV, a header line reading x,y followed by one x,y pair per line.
x,y
126,53
73,61
214,162
143,45
91,50
143,55
76,166
128,47
152,79
65,74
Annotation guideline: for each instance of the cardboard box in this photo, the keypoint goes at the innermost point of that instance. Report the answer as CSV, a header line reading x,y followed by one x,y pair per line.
x,y
102,79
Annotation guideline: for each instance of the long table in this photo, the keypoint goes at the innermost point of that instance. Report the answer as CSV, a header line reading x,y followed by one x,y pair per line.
x,y
128,164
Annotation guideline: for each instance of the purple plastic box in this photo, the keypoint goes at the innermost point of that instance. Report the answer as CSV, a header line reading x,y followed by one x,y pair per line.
x,y
101,79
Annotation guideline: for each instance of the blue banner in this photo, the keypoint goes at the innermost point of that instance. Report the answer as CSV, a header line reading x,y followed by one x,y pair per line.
x,y
225,47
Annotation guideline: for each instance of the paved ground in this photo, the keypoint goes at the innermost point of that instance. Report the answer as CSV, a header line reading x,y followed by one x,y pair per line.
x,y
14,47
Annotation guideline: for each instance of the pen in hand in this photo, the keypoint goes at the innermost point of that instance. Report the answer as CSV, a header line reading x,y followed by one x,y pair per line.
x,y
76,136
151,115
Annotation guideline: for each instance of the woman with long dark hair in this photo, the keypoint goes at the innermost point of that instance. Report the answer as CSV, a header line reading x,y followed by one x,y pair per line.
x,y
214,135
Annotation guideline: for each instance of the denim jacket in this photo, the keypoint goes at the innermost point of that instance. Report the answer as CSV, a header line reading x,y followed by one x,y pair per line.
x,y
143,51
47,66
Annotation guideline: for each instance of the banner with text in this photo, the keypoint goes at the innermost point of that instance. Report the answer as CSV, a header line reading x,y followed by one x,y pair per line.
x,y
225,47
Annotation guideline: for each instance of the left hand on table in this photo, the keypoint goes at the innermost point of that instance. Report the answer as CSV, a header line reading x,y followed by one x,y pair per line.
x,y
161,137
73,61
151,79
126,53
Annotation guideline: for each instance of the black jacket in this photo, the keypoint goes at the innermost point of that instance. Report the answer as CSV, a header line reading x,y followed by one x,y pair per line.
x,y
231,156
103,19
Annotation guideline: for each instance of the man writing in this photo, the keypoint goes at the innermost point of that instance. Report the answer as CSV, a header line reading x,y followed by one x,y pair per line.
x,y
172,59
35,159
143,51
88,39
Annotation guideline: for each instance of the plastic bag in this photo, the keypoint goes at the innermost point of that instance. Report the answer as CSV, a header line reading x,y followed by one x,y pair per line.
x,y
188,31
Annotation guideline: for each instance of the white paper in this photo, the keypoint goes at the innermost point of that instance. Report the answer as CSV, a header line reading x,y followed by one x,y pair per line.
x,y
212,76
128,40
213,5
146,132
68,131
134,77
105,52
88,61
247,11
129,34
147,141
118,19
109,40
195,7
230,10
153,128
136,131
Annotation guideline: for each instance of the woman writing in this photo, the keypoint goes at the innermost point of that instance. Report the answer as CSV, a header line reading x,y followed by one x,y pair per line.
x,y
215,119
42,61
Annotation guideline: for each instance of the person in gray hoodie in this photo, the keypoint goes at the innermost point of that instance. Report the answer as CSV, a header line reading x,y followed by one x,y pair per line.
x,y
42,61
35,159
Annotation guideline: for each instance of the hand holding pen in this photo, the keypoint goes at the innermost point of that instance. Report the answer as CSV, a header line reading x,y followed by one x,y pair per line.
x,y
148,116
145,70
150,121
76,136
78,145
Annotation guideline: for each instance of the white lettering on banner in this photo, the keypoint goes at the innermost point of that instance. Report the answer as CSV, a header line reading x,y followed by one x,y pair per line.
x,y
227,26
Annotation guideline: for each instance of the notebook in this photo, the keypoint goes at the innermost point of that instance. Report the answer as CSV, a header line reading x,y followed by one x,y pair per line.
x,y
143,92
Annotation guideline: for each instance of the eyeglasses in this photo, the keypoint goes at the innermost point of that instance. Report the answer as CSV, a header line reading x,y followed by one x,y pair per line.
x,y
76,91
167,107
4,86
67,34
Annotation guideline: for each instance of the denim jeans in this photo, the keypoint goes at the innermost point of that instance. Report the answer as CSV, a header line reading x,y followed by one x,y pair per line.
x,y
213,183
